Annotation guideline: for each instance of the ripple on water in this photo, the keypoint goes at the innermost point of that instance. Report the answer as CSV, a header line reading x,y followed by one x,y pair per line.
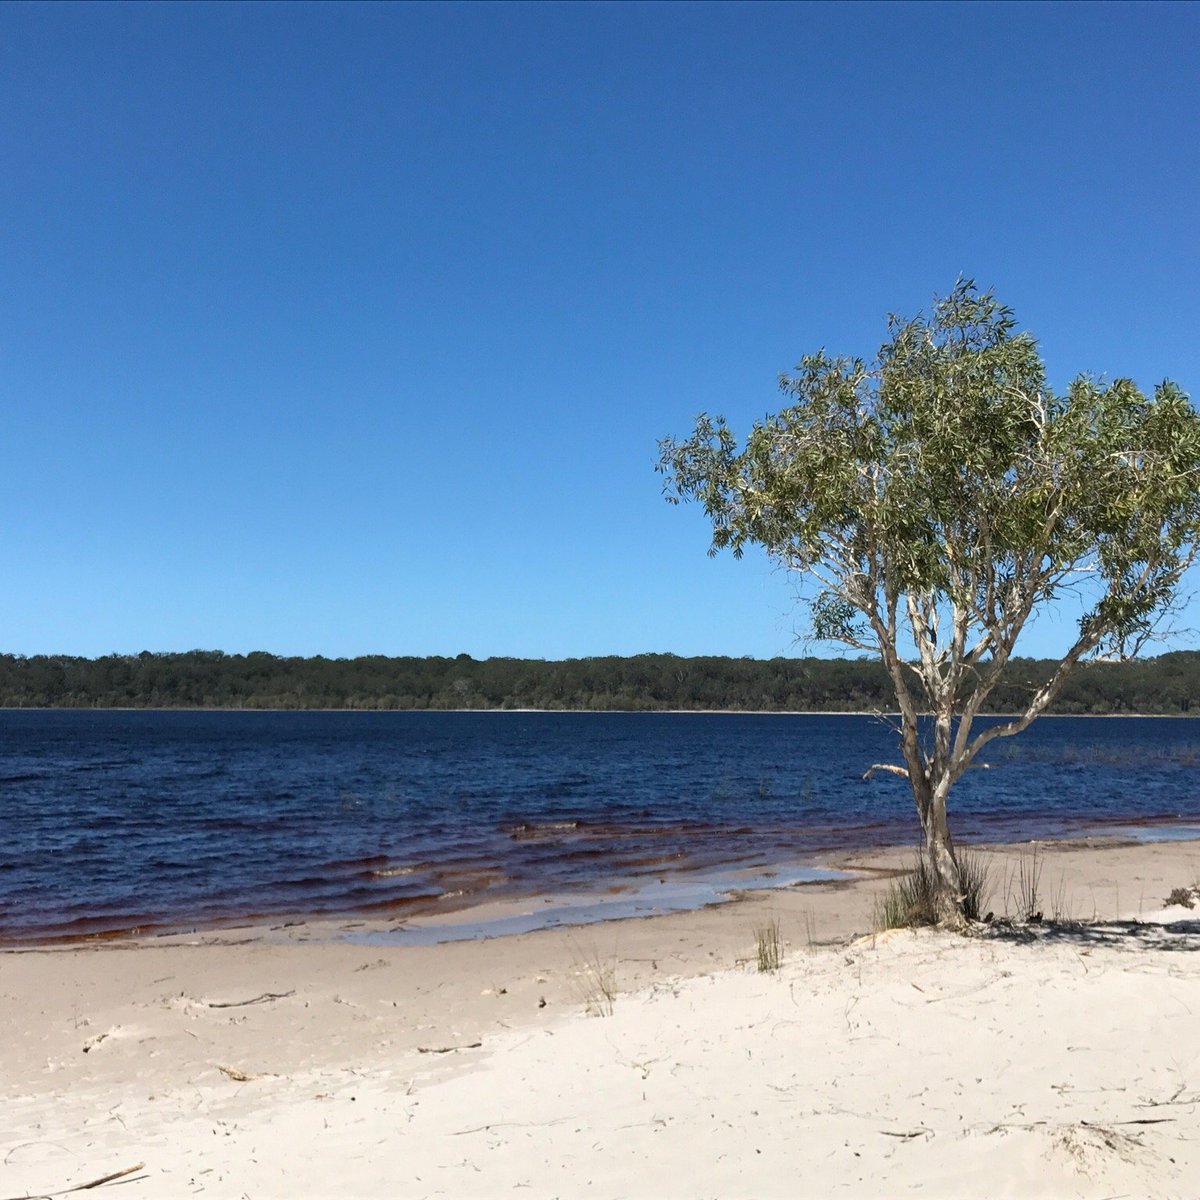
x,y
118,820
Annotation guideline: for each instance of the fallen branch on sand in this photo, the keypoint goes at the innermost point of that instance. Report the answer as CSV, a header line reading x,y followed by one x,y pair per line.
x,y
256,1000
447,1049
83,1187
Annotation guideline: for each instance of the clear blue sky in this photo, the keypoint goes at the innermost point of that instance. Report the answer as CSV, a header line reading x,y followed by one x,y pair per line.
x,y
337,329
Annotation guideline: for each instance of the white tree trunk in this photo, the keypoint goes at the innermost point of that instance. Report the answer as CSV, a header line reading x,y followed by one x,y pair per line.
x,y
939,848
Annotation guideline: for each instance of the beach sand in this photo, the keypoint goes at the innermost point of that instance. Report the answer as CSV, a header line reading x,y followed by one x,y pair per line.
x,y
281,1061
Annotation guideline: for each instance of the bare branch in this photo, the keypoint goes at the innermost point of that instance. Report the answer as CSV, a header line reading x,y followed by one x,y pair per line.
x,y
891,768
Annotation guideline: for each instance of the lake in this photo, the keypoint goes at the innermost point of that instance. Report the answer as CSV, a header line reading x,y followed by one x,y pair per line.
x,y
117,819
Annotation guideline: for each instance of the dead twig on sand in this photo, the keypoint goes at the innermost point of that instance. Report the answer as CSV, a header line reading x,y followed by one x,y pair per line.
x,y
1177,1098
256,1000
239,1076
516,1125
447,1049
1136,1121
1029,1126
84,1187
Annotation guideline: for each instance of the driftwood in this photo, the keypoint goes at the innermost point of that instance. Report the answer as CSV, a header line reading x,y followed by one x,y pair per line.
x,y
256,1000
447,1049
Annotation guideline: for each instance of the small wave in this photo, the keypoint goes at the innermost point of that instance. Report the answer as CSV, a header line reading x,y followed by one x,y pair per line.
x,y
659,860
237,824
396,903
116,925
391,872
102,764
530,830
474,879
348,866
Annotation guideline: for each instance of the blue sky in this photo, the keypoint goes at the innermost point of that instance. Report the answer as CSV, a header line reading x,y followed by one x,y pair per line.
x,y
337,329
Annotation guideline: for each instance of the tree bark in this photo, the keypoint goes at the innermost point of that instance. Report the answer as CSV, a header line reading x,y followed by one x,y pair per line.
x,y
948,897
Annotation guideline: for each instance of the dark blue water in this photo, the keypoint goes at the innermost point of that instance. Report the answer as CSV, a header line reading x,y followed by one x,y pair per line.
x,y
113,820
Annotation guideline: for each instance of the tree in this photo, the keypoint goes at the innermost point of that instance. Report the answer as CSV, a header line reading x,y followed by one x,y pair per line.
x,y
933,500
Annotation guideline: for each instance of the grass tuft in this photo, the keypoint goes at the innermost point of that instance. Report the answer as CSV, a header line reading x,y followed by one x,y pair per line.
x,y
911,900
974,871
768,947
596,983
1024,888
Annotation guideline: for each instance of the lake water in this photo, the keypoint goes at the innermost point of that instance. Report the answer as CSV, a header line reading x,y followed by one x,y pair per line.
x,y
114,820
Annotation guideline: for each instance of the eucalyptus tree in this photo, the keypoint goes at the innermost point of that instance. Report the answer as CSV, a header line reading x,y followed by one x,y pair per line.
x,y
934,499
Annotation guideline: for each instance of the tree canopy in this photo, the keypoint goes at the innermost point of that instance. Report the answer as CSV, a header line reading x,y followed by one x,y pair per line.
x,y
1168,684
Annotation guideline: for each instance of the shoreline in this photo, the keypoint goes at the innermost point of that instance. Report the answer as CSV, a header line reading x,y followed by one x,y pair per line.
x,y
269,1062
682,889
691,888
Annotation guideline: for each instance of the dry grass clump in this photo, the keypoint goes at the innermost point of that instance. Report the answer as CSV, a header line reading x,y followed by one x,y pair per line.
x,y
1024,888
912,899
596,983
1024,901
768,947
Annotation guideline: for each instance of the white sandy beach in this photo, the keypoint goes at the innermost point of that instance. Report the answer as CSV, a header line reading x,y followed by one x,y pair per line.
x,y
276,1062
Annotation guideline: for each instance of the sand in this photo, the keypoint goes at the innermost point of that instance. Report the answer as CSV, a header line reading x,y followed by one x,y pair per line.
x,y
280,1061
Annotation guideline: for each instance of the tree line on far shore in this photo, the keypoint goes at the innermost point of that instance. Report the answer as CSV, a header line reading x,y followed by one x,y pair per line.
x,y
1168,684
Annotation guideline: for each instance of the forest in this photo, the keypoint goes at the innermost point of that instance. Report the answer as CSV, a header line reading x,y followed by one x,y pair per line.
x,y
1167,684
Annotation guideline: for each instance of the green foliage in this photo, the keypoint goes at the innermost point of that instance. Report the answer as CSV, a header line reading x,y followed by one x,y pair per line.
x,y
210,679
949,468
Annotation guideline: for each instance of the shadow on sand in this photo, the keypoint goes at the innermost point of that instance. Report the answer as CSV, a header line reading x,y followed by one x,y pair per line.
x,y
1122,935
